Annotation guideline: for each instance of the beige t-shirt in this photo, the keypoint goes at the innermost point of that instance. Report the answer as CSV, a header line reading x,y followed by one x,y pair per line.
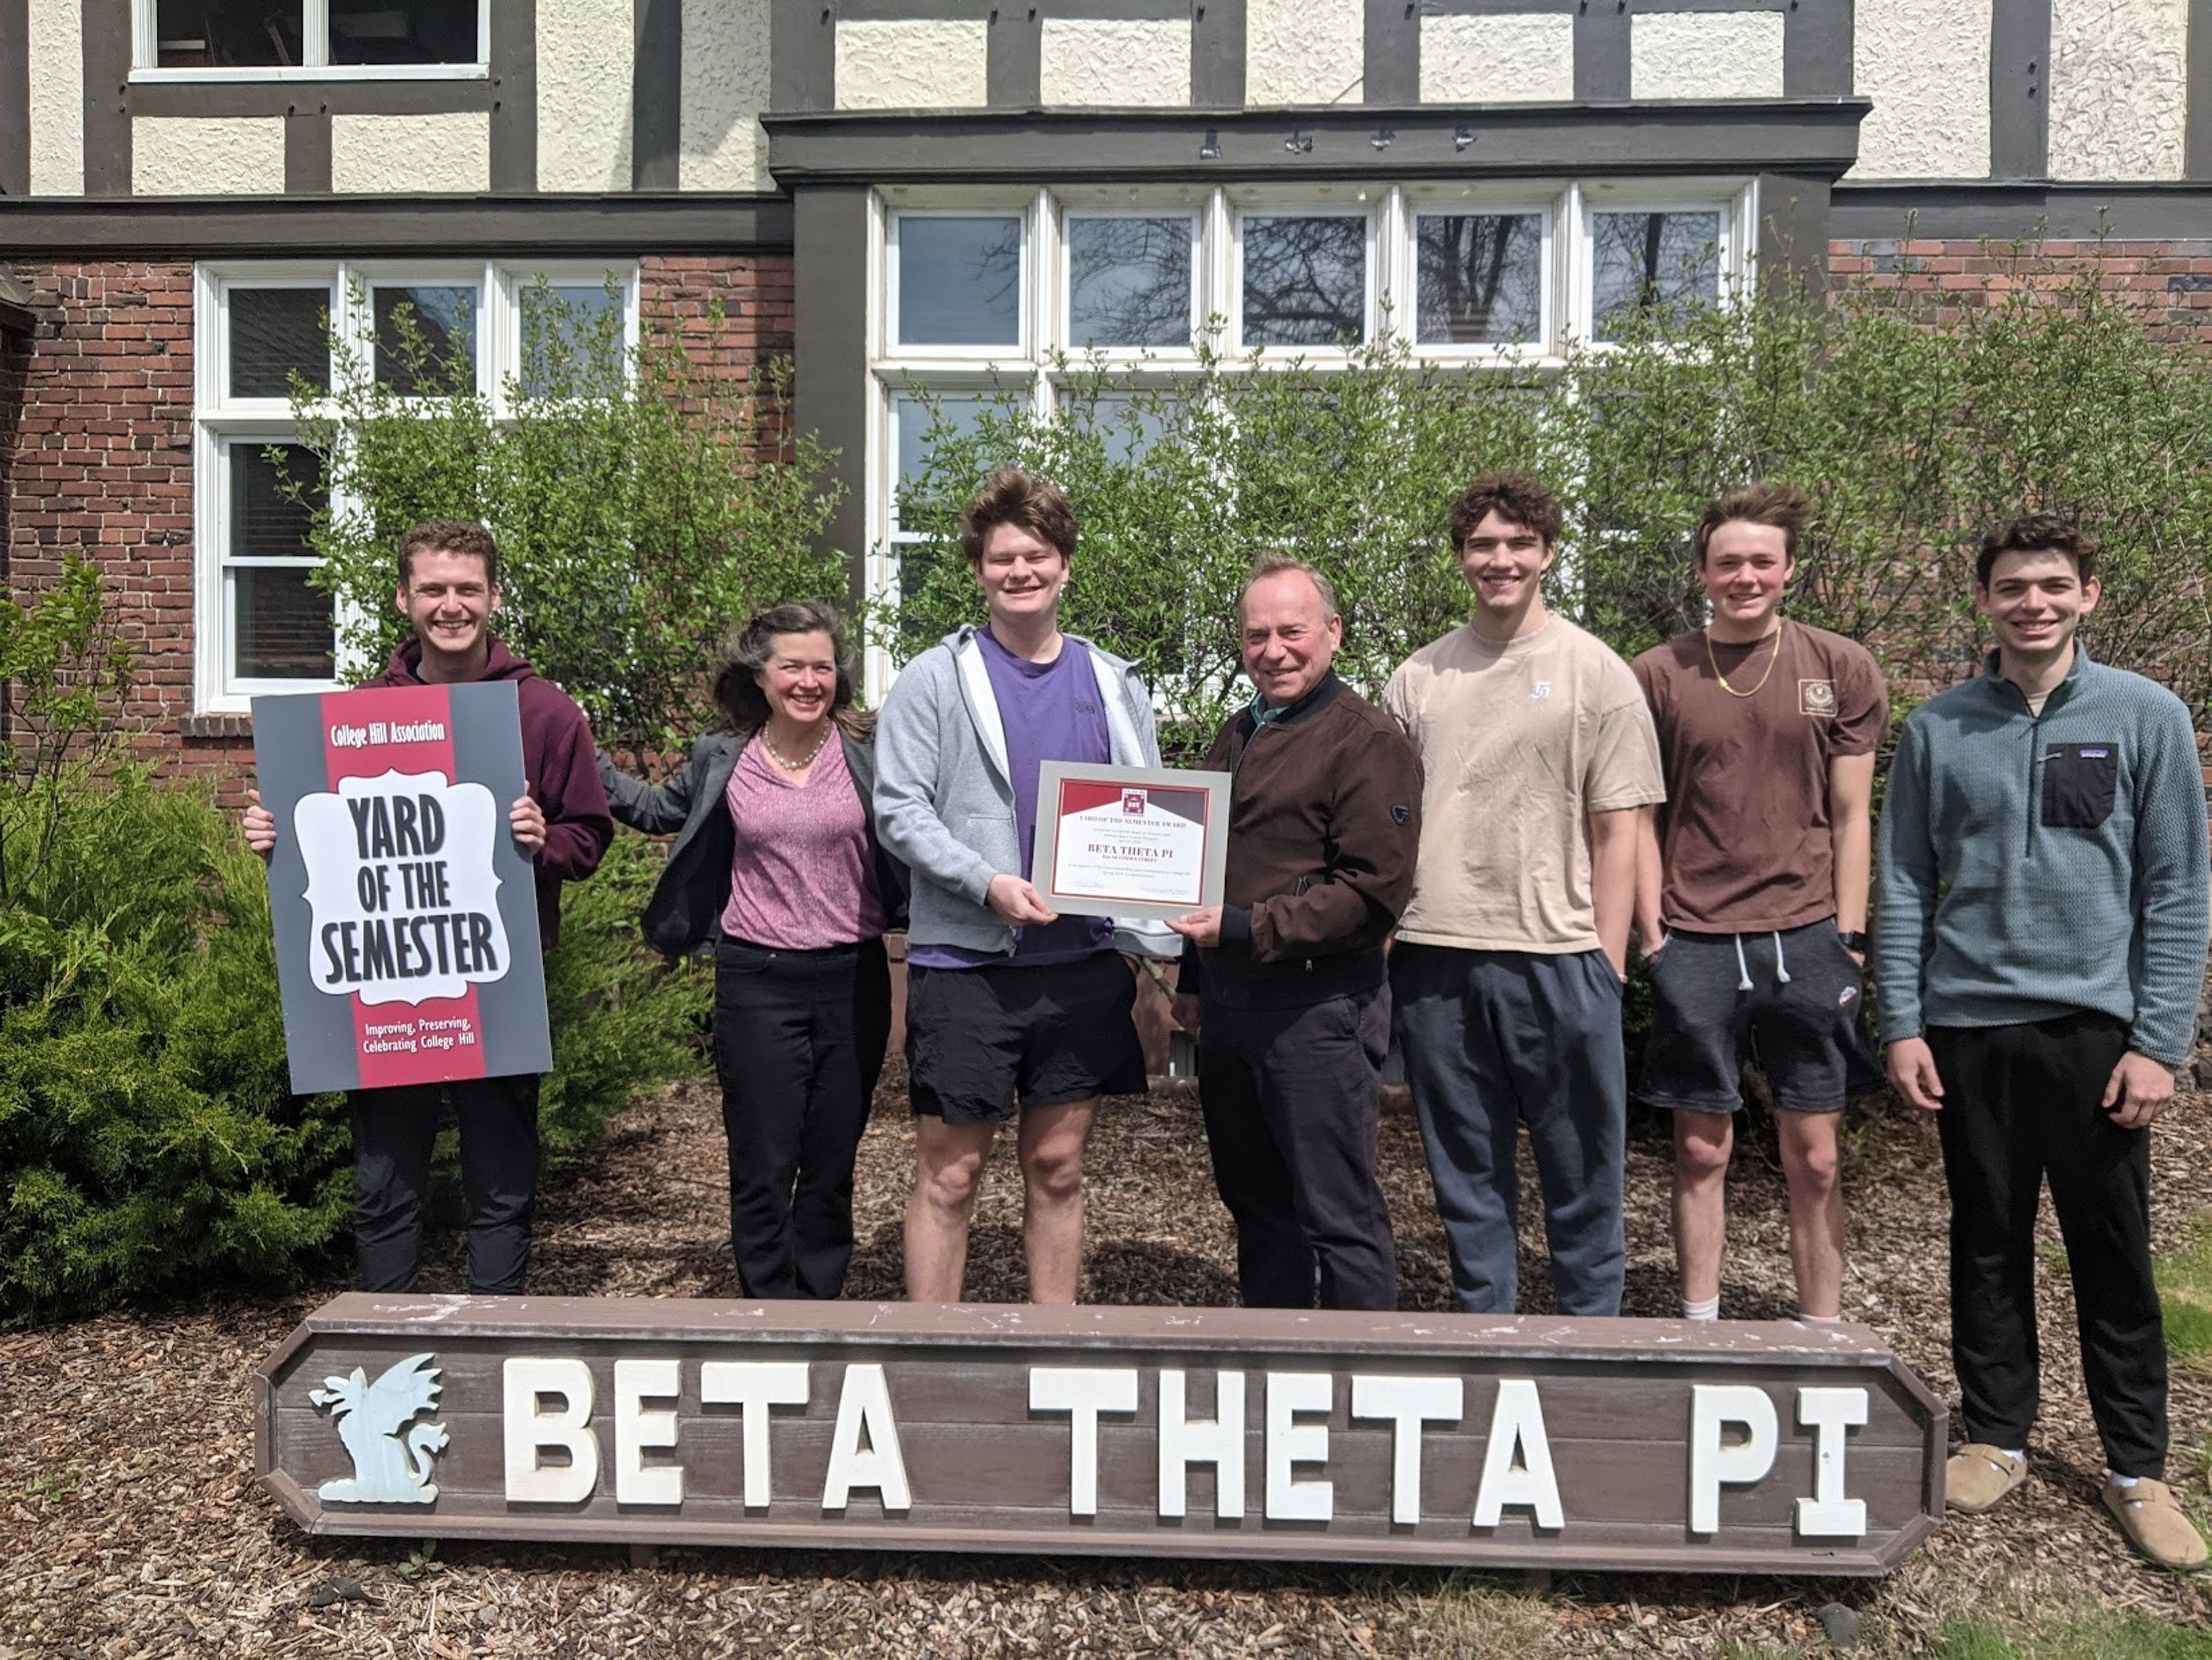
x,y
1518,743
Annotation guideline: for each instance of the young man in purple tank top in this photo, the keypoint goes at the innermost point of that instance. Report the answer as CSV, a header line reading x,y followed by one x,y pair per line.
x,y
1008,1004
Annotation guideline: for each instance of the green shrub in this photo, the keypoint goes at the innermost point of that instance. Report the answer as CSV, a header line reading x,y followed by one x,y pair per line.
x,y
149,1144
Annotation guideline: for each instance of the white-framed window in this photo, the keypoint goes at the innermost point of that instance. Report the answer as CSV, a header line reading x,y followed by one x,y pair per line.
x,y
980,290
322,40
260,626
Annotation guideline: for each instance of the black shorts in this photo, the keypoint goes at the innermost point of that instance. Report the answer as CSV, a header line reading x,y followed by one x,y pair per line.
x,y
1799,1016
977,1040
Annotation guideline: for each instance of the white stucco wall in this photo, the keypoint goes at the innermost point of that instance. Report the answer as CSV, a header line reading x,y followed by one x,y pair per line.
x,y
911,64
586,62
1305,51
1711,54
56,98
2119,88
722,146
1511,58
190,156
1114,62
434,154
1926,65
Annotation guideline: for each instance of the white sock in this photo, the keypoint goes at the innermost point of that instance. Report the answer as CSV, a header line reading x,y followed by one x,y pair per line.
x,y
2122,1482
1820,1319
2013,1453
1708,1309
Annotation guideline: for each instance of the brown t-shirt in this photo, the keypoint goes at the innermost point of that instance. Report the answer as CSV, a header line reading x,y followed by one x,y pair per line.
x,y
1744,835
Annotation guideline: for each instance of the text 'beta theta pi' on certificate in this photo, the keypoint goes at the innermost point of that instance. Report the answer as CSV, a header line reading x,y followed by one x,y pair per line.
x,y
1130,841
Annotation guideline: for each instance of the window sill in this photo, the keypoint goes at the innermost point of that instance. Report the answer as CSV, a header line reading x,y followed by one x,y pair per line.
x,y
217,725
316,72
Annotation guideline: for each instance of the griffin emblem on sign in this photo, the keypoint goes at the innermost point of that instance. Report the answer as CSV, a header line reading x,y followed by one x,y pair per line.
x,y
389,1468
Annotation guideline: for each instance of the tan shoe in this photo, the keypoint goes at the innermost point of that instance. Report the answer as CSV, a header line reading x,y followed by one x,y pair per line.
x,y
1978,1475
2152,1518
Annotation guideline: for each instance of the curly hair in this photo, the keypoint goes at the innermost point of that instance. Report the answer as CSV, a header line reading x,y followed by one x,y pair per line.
x,y
1514,497
736,685
2036,533
1014,497
1781,507
462,536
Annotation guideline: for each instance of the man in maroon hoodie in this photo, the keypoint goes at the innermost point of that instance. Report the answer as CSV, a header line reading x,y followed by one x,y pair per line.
x,y
449,588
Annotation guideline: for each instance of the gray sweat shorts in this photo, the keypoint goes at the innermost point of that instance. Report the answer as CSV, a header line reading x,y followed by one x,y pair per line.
x,y
1789,1000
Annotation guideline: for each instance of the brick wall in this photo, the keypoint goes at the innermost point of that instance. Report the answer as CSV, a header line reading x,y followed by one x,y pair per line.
x,y
99,457
2173,279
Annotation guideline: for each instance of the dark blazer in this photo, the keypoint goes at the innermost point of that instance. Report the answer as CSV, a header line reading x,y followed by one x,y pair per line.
x,y
694,889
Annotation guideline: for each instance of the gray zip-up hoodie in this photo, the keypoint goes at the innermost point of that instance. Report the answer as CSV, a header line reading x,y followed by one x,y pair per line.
x,y
944,800
2036,866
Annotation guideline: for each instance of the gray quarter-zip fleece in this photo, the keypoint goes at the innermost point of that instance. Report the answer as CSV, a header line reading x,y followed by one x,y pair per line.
x,y
2033,866
944,802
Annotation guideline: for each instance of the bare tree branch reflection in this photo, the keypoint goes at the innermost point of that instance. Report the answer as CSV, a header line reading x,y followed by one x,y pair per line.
x,y
1479,277
1305,282
1129,281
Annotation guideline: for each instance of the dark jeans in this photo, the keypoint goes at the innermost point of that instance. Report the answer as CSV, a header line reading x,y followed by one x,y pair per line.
x,y
393,1132
1291,1104
2020,1104
1495,1039
799,1043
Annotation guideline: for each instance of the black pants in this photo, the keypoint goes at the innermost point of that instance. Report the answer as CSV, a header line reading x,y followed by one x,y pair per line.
x,y
1292,1104
799,1043
2021,1104
393,1132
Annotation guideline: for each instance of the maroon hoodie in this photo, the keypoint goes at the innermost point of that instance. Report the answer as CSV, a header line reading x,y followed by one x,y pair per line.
x,y
559,760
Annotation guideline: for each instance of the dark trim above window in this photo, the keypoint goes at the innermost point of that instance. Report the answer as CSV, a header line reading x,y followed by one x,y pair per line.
x,y
365,227
2005,210
1806,135
337,96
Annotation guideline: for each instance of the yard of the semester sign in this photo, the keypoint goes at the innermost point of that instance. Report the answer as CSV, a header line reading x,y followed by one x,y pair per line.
x,y
1598,1444
406,917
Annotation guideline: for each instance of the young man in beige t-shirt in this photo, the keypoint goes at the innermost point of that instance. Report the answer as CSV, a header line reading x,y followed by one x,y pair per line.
x,y
1539,756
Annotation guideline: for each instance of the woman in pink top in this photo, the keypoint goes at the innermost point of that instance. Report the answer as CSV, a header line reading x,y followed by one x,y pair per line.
x,y
776,867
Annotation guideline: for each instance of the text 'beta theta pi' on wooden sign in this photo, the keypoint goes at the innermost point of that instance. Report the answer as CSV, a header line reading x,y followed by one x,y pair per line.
x,y
1445,1438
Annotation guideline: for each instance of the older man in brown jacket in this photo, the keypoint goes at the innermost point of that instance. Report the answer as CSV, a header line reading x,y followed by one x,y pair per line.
x,y
1285,981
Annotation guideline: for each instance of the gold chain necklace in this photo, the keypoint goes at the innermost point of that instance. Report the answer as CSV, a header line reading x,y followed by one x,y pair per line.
x,y
786,761
1763,678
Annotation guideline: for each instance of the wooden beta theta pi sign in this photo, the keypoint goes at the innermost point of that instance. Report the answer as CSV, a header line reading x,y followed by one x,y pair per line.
x,y
1593,1443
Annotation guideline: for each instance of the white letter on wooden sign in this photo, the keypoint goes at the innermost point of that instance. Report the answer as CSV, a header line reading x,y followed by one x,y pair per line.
x,y
1407,1403
1712,1406
1291,1443
1827,1514
1517,1422
1220,1444
636,1429
865,1403
1083,1392
529,1432
754,1386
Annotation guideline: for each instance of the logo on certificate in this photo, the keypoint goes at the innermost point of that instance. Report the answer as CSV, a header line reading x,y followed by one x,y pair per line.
x,y
1132,801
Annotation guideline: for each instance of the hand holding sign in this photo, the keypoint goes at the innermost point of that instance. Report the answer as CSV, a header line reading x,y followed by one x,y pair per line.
x,y
527,820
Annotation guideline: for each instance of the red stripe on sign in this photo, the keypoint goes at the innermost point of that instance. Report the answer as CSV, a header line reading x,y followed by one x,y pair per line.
x,y
366,734
418,1042
1081,795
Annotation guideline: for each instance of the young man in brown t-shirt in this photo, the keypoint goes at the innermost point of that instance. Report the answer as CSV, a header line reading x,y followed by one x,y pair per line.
x,y
1752,892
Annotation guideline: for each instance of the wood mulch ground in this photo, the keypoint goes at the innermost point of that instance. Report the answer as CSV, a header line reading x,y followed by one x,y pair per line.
x,y
132,1525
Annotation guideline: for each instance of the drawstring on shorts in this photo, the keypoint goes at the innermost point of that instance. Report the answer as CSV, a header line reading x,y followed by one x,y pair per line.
x,y
1743,967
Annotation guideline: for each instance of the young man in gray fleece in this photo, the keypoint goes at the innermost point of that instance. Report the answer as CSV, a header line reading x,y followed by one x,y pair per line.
x,y
2039,950
1008,1004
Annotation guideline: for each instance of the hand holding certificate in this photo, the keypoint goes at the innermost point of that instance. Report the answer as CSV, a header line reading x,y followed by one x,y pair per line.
x,y
1132,841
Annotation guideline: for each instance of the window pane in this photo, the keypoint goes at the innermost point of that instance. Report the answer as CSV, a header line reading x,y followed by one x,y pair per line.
x,y
1642,259
275,332
426,339
405,32
195,34
1127,423
265,521
281,628
1128,282
957,415
960,280
1305,282
1481,277
569,331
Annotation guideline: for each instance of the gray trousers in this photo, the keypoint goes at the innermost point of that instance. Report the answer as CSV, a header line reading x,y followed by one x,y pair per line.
x,y
1495,1039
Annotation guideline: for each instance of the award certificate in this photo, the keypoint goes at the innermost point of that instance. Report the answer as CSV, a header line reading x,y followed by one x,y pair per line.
x,y
1140,841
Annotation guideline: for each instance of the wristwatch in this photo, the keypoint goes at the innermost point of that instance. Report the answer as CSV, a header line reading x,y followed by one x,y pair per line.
x,y
1857,942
